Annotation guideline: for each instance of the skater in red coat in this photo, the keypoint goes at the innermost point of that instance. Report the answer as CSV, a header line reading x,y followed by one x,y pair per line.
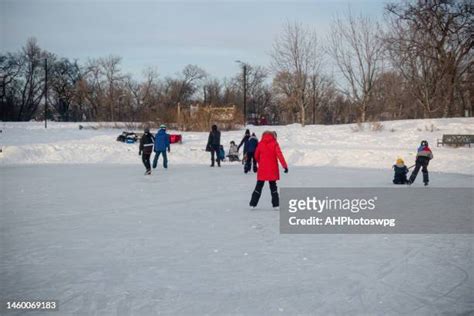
x,y
267,154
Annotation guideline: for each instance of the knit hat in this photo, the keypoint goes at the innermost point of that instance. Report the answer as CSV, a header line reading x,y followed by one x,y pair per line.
x,y
400,161
163,126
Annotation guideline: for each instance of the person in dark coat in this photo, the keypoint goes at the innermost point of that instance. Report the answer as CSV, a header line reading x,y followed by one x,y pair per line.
x,y
214,144
268,154
162,144
251,145
423,157
401,171
146,148
244,141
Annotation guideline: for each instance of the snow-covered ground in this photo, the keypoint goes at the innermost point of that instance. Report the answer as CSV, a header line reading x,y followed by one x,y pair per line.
x,y
337,146
106,240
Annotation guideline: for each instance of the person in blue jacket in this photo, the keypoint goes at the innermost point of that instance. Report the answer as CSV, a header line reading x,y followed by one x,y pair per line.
x,y
162,144
251,146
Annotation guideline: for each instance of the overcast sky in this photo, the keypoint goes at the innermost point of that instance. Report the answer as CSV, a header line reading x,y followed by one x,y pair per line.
x,y
167,35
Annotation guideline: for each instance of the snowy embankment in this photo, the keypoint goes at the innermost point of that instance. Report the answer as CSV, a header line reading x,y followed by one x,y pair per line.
x,y
336,146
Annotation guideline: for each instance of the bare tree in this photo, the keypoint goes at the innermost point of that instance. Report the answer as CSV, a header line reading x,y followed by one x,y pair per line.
x,y
64,76
212,92
10,73
32,86
181,89
356,46
142,98
319,89
296,56
110,67
430,43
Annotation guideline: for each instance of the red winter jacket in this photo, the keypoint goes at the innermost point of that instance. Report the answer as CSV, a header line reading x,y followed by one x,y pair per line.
x,y
267,154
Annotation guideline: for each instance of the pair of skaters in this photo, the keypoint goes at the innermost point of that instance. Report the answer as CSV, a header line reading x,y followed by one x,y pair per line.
x,y
423,157
160,144
249,143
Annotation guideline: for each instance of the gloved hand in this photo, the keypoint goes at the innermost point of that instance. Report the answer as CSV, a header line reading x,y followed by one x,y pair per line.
x,y
169,150
286,170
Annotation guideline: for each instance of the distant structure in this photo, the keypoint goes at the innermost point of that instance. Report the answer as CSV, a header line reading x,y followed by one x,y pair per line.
x,y
201,117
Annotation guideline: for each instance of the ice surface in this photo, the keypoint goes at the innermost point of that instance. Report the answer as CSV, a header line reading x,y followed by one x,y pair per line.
x,y
103,239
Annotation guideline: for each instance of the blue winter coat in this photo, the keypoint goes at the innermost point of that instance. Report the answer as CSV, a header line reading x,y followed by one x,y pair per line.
x,y
251,144
162,141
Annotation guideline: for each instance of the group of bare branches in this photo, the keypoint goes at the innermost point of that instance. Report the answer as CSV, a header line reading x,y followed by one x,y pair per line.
x,y
416,64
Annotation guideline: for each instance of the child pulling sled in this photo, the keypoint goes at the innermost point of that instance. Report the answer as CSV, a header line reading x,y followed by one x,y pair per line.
x,y
423,157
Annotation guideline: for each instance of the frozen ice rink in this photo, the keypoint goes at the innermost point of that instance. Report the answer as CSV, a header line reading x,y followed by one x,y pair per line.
x,y
103,239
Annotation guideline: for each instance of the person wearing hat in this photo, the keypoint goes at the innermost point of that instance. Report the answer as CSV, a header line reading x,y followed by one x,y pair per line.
x,y
162,144
401,172
251,146
423,157
146,148
214,144
244,142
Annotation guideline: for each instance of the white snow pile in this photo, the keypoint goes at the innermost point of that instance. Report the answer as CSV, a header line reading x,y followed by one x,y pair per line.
x,y
350,145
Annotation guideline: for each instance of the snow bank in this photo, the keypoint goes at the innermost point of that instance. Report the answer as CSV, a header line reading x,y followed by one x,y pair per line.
x,y
316,145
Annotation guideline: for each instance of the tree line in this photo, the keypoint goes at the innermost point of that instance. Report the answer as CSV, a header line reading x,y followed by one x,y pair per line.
x,y
417,64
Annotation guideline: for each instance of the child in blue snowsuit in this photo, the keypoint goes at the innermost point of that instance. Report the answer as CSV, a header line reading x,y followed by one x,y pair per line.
x,y
162,143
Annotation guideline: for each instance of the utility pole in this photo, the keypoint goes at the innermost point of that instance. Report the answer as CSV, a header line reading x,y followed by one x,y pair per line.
x,y
244,73
46,93
245,93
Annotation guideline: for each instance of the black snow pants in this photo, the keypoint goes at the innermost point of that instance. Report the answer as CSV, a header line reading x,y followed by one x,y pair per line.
x,y
421,162
215,151
258,192
248,162
146,161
